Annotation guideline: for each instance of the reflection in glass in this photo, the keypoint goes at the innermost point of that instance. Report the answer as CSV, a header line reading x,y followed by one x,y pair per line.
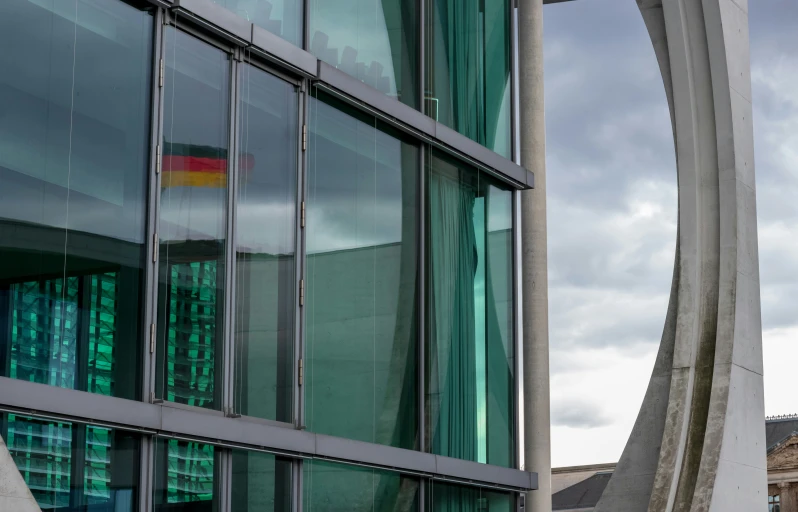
x,y
280,17
74,467
468,69
74,144
330,487
444,497
192,221
265,224
261,482
360,354
375,41
184,477
469,314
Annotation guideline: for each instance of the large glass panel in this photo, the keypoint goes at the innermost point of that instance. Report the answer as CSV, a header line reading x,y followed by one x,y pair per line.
x,y
468,69
74,467
192,221
375,41
330,487
185,477
265,230
261,482
361,349
74,146
470,352
445,497
280,17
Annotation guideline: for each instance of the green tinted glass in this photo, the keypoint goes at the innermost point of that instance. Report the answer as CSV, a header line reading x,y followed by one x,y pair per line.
x,y
470,354
280,17
261,482
443,497
468,69
330,487
185,476
361,348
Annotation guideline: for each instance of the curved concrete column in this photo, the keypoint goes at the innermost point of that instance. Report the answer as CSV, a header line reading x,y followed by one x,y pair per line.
x,y
699,440
14,492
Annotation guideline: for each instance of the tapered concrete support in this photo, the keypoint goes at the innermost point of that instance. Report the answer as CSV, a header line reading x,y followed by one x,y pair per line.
x,y
14,493
534,262
699,440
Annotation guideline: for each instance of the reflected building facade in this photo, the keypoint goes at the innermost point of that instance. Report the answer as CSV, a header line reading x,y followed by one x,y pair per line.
x,y
260,255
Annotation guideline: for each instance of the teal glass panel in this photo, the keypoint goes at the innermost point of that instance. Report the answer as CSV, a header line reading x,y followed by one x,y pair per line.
x,y
468,60
361,361
261,482
74,159
280,17
75,467
185,477
192,221
445,497
375,41
331,487
470,355
265,245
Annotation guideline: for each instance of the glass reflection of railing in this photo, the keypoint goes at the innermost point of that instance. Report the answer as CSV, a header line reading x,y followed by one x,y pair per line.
x,y
371,74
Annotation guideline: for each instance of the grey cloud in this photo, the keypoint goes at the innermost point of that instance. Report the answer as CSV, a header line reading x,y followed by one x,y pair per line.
x,y
578,414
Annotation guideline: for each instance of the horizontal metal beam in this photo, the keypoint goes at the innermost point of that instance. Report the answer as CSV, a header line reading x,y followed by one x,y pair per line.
x,y
213,427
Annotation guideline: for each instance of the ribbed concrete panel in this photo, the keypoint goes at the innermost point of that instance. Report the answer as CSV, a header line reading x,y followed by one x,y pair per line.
x,y
14,493
699,442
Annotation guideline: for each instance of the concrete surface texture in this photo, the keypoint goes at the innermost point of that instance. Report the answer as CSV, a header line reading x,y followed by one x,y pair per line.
x,y
699,440
14,493
534,262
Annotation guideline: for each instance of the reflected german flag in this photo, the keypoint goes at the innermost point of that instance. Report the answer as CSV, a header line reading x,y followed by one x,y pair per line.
x,y
190,165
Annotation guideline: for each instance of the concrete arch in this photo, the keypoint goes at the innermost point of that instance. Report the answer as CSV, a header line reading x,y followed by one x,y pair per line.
x,y
699,441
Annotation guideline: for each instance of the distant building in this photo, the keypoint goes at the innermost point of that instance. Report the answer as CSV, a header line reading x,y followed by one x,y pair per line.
x,y
579,488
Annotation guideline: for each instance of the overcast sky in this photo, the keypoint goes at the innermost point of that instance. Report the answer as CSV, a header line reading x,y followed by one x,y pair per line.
x,y
612,215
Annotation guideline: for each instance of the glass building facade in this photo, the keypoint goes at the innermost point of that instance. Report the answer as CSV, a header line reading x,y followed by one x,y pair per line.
x,y
231,281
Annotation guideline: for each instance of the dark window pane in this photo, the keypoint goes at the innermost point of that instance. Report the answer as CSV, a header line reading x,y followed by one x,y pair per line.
x,y
280,17
192,224
470,354
185,476
265,229
376,41
261,482
361,349
74,146
443,497
330,487
74,467
468,69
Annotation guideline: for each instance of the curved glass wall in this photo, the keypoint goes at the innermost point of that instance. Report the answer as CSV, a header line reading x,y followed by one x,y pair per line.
x,y
468,61
280,17
74,147
361,349
331,487
470,356
192,221
74,467
265,236
375,41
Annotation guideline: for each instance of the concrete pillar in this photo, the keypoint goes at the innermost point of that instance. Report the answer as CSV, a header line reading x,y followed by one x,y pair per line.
x,y
14,493
534,262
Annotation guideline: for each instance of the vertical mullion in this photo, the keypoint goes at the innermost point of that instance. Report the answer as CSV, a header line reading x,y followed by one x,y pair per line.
x,y
228,339
305,25
514,87
300,253
153,211
146,467
297,485
421,203
517,331
421,17
225,478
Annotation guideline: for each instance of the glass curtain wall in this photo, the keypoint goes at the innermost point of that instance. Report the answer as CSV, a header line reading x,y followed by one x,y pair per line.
x,y
468,61
261,482
445,497
375,41
73,467
186,473
280,17
74,147
470,356
265,245
361,343
331,487
192,221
